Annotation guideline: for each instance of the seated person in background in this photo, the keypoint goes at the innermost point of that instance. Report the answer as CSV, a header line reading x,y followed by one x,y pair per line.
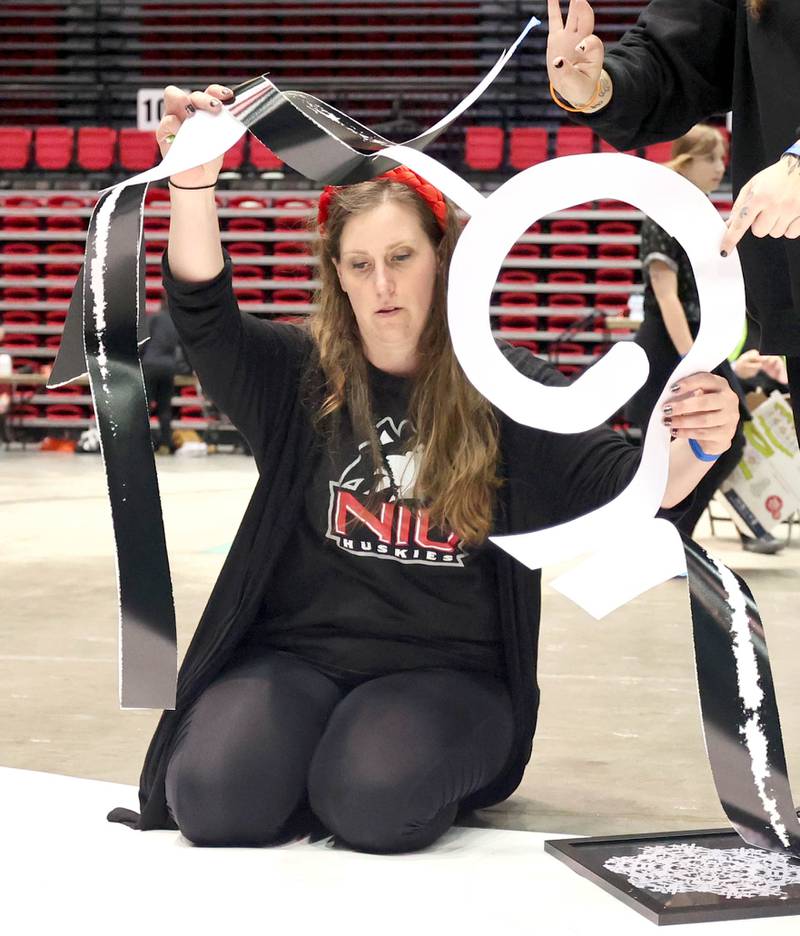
x,y
756,371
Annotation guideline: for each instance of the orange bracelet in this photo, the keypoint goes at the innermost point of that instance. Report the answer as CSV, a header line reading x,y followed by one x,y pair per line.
x,y
577,110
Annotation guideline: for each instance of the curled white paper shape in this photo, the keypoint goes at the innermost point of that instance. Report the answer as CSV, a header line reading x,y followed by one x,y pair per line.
x,y
496,222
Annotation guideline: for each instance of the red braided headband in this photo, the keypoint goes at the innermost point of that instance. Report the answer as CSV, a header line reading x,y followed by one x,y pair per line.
x,y
404,175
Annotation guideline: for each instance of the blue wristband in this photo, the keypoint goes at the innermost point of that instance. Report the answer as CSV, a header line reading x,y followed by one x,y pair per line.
x,y
793,150
694,445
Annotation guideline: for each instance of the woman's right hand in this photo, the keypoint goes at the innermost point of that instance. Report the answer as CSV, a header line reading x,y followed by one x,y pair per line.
x,y
179,106
574,54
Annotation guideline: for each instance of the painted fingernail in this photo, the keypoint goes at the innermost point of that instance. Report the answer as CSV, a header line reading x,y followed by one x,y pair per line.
x,y
227,92
723,253
582,47
675,388
558,63
169,137
667,420
214,102
667,410
674,433
191,108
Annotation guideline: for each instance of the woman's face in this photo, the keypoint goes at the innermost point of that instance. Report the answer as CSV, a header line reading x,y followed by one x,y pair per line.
x,y
707,171
387,267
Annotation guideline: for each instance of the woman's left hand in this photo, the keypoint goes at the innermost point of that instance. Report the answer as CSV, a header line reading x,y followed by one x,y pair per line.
x,y
768,204
703,407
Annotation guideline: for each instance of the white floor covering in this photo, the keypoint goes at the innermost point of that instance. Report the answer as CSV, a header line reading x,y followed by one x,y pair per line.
x,y
68,870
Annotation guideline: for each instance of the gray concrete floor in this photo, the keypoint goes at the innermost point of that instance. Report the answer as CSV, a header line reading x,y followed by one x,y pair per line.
x,y
619,746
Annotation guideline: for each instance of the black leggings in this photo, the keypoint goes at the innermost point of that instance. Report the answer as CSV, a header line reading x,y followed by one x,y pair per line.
x,y
383,765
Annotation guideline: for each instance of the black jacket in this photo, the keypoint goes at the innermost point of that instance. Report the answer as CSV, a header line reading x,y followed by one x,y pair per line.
x,y
686,60
253,370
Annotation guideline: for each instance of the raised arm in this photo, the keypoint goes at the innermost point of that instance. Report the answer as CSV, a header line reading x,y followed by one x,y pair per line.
x,y
669,71
250,368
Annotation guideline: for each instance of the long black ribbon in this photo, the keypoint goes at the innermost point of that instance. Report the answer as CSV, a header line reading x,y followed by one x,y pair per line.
x,y
113,303
738,705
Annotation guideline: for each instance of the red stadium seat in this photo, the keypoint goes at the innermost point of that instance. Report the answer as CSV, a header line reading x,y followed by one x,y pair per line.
x,y
246,249
138,149
572,226
483,147
53,147
524,301
291,297
247,271
567,301
20,294
611,303
561,320
292,249
534,251
20,317
617,252
518,276
573,140
616,229
21,249
18,340
22,201
571,277
569,252
96,146
20,270
15,147
293,272
66,223
527,146
248,295
234,157
615,277
658,152
21,223
247,224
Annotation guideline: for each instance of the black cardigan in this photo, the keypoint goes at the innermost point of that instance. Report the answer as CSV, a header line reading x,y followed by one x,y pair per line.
x,y
253,370
686,60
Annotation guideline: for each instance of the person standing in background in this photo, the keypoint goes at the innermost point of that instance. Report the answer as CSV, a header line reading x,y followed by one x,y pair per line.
x,y
683,61
158,366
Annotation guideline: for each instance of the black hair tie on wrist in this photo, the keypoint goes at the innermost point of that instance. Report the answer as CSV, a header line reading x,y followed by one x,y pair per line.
x,y
190,188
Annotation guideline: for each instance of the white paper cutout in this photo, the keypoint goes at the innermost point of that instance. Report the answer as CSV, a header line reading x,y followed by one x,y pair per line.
x,y
494,226
207,136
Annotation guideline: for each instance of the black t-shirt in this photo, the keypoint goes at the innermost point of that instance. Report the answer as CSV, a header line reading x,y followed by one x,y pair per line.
x,y
366,586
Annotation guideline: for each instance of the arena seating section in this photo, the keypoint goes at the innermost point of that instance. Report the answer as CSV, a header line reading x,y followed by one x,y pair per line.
x,y
67,131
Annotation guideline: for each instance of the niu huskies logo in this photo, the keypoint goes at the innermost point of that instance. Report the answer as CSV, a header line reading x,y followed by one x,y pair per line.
x,y
401,530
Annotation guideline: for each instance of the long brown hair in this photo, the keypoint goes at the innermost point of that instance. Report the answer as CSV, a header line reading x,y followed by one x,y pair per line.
x,y
454,426
700,141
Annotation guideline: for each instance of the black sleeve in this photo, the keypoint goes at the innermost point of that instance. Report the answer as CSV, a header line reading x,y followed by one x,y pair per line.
x,y
246,365
562,477
671,70
658,245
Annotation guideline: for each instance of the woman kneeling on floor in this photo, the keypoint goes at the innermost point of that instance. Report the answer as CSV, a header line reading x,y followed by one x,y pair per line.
x,y
367,654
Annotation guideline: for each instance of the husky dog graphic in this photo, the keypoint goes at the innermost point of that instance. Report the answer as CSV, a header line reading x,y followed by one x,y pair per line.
x,y
401,529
